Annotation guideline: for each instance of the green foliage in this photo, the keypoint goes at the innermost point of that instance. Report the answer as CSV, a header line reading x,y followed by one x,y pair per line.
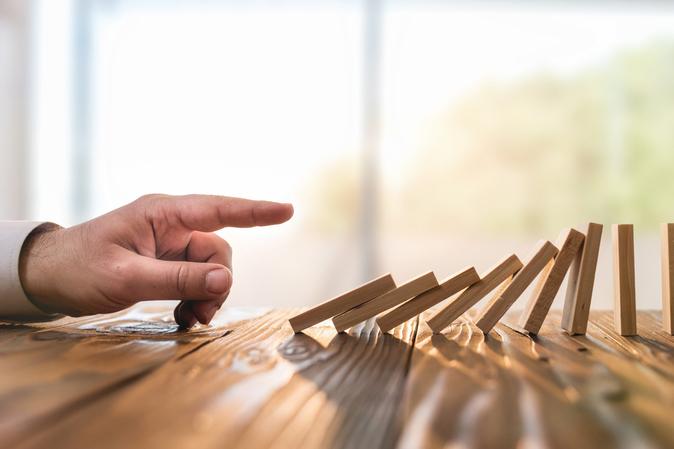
x,y
546,152
534,155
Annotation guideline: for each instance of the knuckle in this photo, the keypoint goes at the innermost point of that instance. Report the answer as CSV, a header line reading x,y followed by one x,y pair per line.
x,y
181,279
151,206
253,216
150,198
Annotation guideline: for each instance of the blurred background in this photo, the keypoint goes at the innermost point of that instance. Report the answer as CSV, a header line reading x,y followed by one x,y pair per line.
x,y
409,135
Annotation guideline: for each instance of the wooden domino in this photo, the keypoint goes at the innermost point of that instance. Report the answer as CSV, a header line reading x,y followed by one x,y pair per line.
x,y
499,305
384,302
581,283
342,303
448,287
667,245
570,241
494,277
625,314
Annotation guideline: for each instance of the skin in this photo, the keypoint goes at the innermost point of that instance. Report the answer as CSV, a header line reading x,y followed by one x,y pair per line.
x,y
158,247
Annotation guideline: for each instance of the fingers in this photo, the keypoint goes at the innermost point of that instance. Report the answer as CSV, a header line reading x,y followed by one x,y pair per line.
x,y
184,316
208,247
149,278
201,311
209,212
204,247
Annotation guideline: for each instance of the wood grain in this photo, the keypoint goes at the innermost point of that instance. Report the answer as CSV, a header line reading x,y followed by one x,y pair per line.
x,y
581,282
473,294
342,303
544,252
250,382
667,261
569,242
625,316
410,309
56,367
510,390
370,309
260,386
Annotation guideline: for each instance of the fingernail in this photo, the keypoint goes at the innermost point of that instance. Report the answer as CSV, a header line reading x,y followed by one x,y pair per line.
x,y
218,281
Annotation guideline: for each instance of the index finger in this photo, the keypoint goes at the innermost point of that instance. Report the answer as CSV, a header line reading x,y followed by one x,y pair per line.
x,y
208,213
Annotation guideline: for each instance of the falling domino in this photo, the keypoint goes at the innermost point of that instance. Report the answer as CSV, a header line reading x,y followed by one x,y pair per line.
x,y
384,302
570,242
668,277
499,305
625,315
581,282
453,284
342,303
578,252
494,277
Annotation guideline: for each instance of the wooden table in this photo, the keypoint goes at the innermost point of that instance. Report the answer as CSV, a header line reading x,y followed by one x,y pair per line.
x,y
134,380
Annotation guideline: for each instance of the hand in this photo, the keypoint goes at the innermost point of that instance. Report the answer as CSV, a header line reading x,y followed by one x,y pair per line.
x,y
158,247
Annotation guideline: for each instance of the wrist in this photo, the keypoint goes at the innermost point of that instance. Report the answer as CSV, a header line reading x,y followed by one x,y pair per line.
x,y
36,263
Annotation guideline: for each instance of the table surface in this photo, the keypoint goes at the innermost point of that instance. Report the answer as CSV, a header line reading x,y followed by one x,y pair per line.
x,y
133,379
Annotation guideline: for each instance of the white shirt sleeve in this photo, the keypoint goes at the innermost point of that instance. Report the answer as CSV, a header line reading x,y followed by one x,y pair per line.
x,y
13,300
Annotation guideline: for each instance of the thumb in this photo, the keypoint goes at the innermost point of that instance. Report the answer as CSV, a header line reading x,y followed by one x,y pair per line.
x,y
161,279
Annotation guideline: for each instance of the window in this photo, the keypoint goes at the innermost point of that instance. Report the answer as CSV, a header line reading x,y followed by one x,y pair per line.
x,y
493,125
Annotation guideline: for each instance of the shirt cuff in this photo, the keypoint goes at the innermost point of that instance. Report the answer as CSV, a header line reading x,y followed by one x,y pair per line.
x,y
13,300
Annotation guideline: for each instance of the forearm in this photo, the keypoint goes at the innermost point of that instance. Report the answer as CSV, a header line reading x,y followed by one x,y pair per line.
x,y
14,302
36,265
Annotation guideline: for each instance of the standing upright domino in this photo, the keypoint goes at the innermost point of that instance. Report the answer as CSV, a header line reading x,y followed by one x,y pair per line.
x,y
499,305
667,245
581,282
625,314
569,243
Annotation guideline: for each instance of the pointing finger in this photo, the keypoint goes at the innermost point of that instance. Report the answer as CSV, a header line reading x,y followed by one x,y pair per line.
x,y
209,213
